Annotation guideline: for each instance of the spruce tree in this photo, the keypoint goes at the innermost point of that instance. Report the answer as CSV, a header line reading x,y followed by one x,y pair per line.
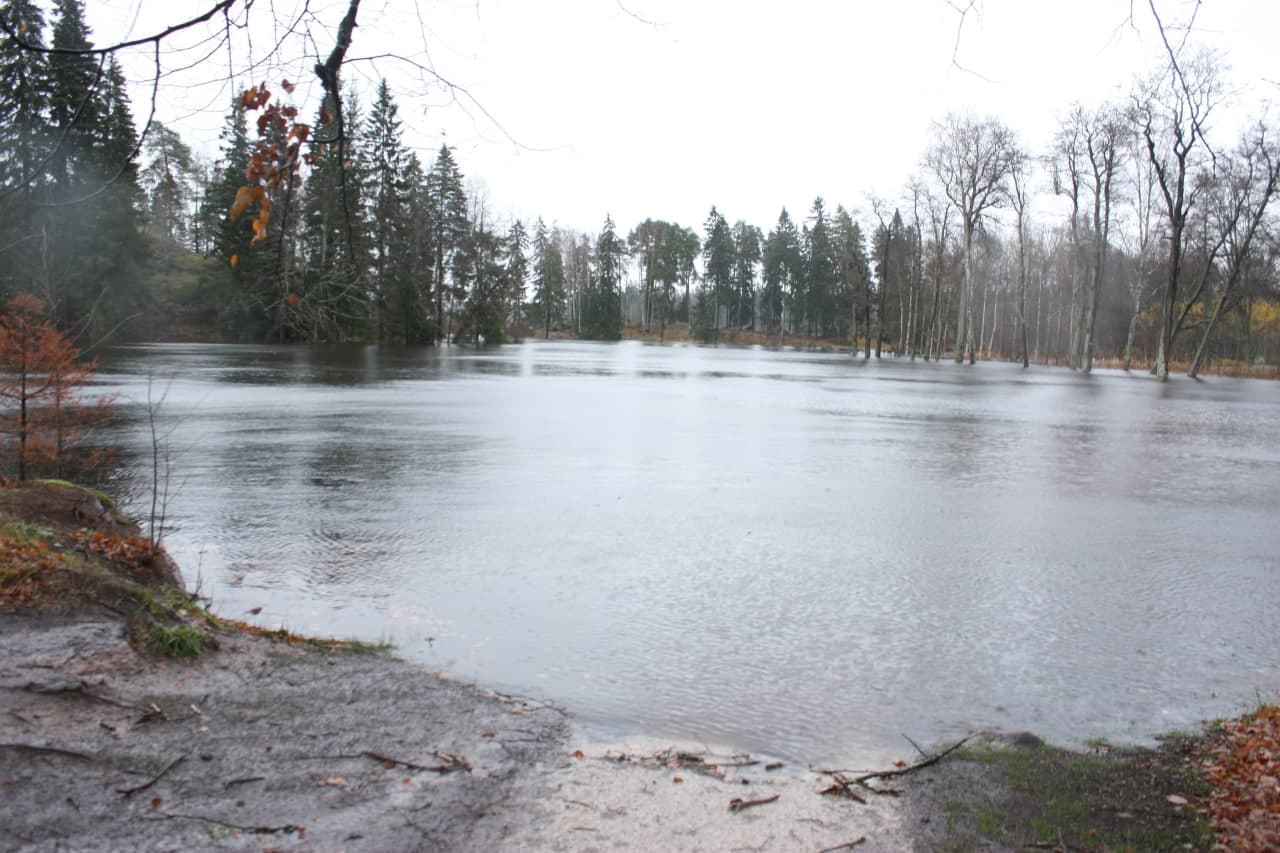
x,y
243,277
548,279
746,256
781,258
516,248
447,208
819,272
333,304
717,263
602,315
76,108
385,157
25,137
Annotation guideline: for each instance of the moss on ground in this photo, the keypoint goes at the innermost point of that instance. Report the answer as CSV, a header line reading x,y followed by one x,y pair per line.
x,y
992,794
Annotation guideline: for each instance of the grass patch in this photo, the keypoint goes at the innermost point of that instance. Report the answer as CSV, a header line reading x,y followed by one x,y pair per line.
x,y
103,497
284,635
177,641
1110,798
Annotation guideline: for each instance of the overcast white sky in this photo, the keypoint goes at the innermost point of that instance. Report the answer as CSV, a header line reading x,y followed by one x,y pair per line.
x,y
748,106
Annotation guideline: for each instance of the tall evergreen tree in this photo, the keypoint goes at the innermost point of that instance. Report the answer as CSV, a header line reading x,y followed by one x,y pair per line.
x,y
413,260
548,279
25,136
819,272
447,207
747,254
168,180
244,275
76,107
782,263
481,274
90,235
851,258
602,318
385,157
334,301
717,262
516,249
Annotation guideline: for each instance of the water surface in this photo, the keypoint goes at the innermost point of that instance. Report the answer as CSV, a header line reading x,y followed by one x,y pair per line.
x,y
786,552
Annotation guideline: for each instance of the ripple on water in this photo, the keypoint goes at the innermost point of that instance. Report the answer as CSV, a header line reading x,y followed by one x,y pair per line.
x,y
782,551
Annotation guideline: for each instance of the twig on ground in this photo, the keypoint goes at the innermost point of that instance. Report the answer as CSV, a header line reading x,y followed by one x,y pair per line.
x,y
451,762
256,830
844,782
129,792
924,762
916,745
846,846
843,787
52,750
77,689
737,804
242,781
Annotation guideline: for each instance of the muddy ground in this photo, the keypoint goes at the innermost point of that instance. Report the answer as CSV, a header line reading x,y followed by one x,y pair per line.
x,y
261,744
265,745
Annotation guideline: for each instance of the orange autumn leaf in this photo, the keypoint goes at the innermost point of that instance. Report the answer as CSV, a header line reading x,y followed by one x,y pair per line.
x,y
245,196
235,261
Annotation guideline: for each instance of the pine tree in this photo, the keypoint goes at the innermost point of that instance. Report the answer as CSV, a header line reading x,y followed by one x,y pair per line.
x,y
819,272
168,181
91,238
413,260
746,255
602,318
447,208
548,279
480,269
334,304
76,107
683,247
25,136
782,262
717,262
853,269
244,276
516,248
385,159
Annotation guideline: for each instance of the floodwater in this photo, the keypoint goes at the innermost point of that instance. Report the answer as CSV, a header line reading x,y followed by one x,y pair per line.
x,y
784,552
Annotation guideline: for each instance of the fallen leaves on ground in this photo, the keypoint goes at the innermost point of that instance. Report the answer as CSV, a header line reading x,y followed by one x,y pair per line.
x,y
1243,766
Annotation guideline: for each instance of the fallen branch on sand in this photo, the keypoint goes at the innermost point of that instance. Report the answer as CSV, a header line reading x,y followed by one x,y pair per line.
x,y
52,750
451,762
673,759
737,804
129,792
846,846
843,784
287,829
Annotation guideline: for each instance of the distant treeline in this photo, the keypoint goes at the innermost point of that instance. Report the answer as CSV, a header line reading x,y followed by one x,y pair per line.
x,y
1168,251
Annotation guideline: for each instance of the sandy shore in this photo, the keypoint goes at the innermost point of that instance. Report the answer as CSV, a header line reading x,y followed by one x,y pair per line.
x,y
262,745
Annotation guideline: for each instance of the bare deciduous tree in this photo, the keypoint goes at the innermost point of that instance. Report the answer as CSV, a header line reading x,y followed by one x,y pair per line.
x,y
972,159
1244,188
1171,110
